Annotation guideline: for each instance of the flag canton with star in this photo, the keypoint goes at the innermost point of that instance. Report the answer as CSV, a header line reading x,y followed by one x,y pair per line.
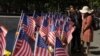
x,y
45,21
41,42
66,29
58,43
25,20
23,35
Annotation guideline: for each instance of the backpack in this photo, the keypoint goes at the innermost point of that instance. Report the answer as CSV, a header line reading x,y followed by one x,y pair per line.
x,y
95,23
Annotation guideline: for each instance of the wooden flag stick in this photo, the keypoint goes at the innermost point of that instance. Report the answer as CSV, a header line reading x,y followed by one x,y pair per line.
x,y
18,31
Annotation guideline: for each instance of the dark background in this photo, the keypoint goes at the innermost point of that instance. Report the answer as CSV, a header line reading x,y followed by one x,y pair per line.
x,y
14,7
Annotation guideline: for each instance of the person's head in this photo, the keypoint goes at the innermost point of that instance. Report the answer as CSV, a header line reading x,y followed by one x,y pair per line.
x,y
72,8
86,11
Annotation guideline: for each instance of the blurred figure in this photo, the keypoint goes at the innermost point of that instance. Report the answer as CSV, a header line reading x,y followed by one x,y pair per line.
x,y
87,30
76,19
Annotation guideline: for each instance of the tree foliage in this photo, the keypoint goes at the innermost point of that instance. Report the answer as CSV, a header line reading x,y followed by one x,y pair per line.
x,y
96,3
44,5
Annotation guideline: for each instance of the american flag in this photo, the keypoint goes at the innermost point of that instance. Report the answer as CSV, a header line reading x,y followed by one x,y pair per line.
x,y
3,33
67,31
44,27
67,34
41,48
59,49
51,34
29,26
38,18
58,28
22,47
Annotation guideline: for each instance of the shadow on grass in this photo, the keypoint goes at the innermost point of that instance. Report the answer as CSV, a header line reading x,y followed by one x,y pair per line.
x,y
92,47
78,54
82,53
95,52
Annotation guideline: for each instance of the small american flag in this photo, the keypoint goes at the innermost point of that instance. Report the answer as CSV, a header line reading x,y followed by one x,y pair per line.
x,y
51,34
29,26
58,28
67,32
70,34
22,47
3,33
59,49
44,27
41,48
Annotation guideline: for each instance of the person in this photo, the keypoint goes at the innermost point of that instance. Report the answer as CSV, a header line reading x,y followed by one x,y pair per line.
x,y
76,19
86,30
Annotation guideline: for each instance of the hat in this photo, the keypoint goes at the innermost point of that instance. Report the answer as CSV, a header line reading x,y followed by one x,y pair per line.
x,y
86,9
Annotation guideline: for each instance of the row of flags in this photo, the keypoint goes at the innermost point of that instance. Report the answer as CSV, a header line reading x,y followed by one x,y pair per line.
x,y
47,30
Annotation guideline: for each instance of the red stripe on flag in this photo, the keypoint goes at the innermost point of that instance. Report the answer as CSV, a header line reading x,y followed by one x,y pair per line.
x,y
3,33
30,28
51,38
43,31
60,52
42,52
23,49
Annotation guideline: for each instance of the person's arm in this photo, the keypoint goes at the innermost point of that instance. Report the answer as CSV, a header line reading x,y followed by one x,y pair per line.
x,y
88,24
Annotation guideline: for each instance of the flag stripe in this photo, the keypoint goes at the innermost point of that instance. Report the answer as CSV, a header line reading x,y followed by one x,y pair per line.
x,y
30,27
22,47
59,49
3,33
41,52
51,38
41,48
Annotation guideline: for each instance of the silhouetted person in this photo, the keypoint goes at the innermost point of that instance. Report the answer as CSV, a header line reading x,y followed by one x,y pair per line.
x,y
76,18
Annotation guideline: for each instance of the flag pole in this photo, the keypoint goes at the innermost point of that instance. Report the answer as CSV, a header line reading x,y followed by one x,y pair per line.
x,y
20,20
63,30
18,30
55,47
16,38
37,33
34,13
55,40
